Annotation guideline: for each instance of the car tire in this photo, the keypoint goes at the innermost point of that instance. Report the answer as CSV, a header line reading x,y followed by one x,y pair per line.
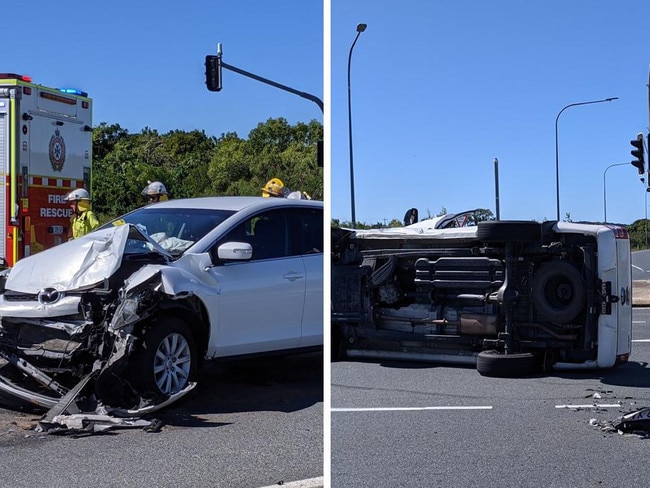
x,y
499,365
509,230
168,359
559,291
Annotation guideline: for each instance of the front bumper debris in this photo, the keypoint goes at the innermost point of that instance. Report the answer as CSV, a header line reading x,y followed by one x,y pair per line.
x,y
77,409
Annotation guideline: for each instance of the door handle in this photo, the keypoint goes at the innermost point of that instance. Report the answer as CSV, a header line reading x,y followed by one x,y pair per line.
x,y
293,276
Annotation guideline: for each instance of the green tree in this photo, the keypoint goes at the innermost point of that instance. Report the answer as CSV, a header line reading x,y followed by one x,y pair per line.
x,y
273,149
189,154
638,232
104,138
123,163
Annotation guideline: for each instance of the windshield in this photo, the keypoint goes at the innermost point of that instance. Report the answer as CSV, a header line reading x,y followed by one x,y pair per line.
x,y
174,229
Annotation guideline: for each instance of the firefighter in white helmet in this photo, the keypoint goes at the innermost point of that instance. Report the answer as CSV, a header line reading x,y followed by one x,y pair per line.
x,y
155,191
299,195
83,219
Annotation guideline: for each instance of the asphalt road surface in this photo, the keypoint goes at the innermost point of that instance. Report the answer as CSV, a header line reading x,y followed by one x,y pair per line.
x,y
422,425
250,424
641,265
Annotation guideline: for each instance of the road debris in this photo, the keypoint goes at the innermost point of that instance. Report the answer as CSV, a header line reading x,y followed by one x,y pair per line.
x,y
636,423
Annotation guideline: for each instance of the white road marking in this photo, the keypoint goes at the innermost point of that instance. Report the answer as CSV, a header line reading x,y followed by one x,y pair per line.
x,y
591,405
404,409
638,321
308,483
640,340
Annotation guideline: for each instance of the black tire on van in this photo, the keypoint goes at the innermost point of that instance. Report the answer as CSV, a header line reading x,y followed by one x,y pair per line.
x,y
499,365
559,291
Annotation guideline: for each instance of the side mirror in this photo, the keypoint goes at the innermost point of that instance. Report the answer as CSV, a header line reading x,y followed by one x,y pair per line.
x,y
411,216
235,251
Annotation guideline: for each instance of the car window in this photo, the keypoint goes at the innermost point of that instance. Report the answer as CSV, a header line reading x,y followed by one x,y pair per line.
x,y
267,233
308,229
175,229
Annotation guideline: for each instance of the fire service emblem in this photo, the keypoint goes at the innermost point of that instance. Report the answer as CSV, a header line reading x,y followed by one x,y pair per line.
x,y
57,151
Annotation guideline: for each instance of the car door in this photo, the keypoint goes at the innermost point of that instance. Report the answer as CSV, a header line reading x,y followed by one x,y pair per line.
x,y
308,242
261,300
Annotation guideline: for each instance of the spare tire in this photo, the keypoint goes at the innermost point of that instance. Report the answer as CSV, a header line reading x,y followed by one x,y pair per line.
x,y
559,291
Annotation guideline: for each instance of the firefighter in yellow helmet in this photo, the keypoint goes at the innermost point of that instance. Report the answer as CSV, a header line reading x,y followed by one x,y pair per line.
x,y
275,188
155,191
83,219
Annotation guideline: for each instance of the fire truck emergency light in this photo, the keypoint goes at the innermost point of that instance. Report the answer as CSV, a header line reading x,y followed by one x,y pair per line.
x,y
73,91
13,76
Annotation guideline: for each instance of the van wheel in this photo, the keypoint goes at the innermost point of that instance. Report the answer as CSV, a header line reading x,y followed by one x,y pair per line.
x,y
559,292
168,359
498,365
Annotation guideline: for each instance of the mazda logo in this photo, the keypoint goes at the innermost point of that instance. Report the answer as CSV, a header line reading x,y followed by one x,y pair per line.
x,y
49,295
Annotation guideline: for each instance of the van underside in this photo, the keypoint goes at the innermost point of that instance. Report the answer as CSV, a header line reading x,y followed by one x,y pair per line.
x,y
511,297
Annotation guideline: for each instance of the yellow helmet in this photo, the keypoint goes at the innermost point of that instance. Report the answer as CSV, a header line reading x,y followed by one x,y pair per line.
x,y
274,188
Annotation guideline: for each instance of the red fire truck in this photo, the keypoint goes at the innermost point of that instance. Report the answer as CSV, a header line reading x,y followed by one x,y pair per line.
x,y
45,151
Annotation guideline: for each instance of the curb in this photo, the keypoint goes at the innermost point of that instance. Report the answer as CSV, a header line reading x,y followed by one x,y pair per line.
x,y
641,293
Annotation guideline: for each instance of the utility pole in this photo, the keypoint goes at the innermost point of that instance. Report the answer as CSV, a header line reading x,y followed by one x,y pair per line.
x,y
496,187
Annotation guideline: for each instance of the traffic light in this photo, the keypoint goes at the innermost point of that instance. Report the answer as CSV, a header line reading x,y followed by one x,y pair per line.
x,y
637,152
213,72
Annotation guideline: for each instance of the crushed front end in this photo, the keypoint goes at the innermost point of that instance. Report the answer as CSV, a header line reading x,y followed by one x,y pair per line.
x,y
67,348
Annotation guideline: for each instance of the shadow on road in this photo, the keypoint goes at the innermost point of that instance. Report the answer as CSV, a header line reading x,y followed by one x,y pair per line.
x,y
633,374
284,384
281,384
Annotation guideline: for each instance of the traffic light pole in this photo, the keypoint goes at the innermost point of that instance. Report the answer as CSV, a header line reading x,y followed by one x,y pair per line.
x,y
308,96
214,63
213,66
496,187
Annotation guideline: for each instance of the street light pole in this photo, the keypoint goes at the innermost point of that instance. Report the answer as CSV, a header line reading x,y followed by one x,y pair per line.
x,y
557,162
496,187
605,191
360,29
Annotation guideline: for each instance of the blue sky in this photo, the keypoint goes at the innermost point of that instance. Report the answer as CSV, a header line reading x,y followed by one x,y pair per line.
x,y
439,89
142,63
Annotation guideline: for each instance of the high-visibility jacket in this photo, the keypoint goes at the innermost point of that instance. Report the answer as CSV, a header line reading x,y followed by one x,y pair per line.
x,y
83,223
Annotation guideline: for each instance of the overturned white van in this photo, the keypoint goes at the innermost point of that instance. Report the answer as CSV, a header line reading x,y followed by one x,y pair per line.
x,y
512,297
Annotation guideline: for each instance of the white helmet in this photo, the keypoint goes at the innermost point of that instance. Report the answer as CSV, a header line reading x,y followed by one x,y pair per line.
x,y
76,195
299,195
154,188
